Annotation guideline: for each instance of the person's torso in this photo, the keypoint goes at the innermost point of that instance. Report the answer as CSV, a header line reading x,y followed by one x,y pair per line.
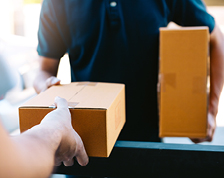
x,y
117,41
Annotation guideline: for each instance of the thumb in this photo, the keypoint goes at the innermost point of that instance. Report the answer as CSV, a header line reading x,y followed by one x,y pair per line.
x,y
52,81
55,81
60,102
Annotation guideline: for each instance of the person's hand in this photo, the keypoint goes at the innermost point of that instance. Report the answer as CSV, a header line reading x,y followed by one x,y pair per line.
x,y
50,82
210,130
70,144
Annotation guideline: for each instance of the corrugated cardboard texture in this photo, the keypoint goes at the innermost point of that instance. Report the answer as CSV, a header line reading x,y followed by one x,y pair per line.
x,y
97,110
184,64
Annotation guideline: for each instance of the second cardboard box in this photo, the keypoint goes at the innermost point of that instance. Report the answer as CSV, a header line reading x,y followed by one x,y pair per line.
x,y
184,81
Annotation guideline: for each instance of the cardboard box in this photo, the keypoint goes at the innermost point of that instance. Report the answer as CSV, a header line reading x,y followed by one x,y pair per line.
x,y
184,81
97,110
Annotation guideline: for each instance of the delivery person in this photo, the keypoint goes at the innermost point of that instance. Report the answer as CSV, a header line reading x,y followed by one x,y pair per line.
x,y
118,41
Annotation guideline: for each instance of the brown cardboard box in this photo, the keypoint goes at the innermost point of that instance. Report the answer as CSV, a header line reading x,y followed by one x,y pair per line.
x,y
184,79
97,110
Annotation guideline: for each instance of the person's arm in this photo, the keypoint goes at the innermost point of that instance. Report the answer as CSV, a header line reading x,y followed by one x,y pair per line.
x,y
46,76
36,151
216,80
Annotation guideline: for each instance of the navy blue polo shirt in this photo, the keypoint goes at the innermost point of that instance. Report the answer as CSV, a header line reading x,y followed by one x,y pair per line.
x,y
117,41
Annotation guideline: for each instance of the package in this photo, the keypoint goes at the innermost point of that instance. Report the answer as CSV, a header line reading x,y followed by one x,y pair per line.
x,y
97,111
183,82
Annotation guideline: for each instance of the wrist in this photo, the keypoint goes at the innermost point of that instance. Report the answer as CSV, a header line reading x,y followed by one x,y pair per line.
x,y
49,134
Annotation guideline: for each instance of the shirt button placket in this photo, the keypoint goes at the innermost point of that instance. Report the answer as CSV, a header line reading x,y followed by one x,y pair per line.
x,y
113,13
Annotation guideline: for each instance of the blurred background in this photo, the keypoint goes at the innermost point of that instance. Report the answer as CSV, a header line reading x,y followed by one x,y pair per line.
x,y
18,41
19,21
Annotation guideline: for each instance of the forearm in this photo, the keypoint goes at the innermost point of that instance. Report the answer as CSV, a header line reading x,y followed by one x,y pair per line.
x,y
48,68
36,149
216,70
35,152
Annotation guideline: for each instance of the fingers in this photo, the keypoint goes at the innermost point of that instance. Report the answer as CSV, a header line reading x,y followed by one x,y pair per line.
x,y
210,130
66,161
60,102
209,138
80,153
52,81
57,163
82,158
195,140
200,140
69,162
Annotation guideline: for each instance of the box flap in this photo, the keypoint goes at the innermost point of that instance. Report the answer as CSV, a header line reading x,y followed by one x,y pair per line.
x,y
79,95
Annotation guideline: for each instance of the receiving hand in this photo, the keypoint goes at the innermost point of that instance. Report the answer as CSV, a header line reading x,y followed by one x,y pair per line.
x,y
70,144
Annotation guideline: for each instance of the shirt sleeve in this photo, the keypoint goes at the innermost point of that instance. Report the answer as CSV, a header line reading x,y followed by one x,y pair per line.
x,y
50,39
191,13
